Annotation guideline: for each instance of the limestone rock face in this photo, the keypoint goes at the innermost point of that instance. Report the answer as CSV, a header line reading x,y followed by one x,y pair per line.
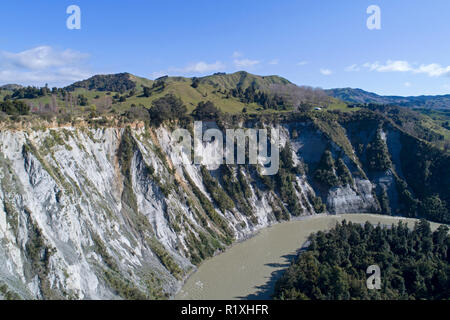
x,y
111,213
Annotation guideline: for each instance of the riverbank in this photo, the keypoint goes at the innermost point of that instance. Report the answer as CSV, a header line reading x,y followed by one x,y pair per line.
x,y
249,269
249,236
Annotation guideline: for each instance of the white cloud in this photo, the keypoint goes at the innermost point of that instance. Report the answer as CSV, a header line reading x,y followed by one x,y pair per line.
x,y
432,70
62,76
42,57
407,84
274,62
197,67
389,66
237,54
202,67
353,68
326,72
302,63
245,63
43,64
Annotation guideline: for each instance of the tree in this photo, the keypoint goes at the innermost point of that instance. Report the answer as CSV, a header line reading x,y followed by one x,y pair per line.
x,y
121,82
195,82
168,107
435,209
325,171
344,175
159,84
147,92
206,111
82,100
15,107
378,155
333,265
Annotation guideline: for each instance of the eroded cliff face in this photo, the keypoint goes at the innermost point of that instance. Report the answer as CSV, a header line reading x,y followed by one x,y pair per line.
x,y
105,214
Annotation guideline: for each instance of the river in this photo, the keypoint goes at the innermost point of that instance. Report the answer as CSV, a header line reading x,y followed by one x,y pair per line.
x,y
249,269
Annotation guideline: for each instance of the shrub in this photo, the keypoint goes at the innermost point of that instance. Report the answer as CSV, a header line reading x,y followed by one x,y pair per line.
x,y
325,171
14,107
168,107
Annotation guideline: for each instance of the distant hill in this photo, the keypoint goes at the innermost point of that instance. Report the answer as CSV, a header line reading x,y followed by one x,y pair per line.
x,y
119,82
122,82
360,96
275,85
243,80
11,87
234,93
229,91
211,86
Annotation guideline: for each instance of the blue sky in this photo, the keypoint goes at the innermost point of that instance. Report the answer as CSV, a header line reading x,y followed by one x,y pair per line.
x,y
320,43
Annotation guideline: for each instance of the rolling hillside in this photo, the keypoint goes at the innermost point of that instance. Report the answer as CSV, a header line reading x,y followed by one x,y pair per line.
x,y
239,93
119,92
360,96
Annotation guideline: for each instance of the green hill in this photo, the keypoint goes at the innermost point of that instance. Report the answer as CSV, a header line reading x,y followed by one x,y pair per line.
x,y
120,92
241,92
11,87
217,88
243,80
120,82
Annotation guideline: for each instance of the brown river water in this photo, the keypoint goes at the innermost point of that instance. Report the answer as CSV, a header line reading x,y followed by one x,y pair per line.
x,y
249,269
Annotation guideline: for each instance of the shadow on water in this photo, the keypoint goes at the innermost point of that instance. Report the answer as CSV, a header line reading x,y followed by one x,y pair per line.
x,y
265,291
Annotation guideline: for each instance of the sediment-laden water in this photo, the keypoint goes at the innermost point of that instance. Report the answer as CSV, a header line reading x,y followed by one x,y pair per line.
x,y
249,269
